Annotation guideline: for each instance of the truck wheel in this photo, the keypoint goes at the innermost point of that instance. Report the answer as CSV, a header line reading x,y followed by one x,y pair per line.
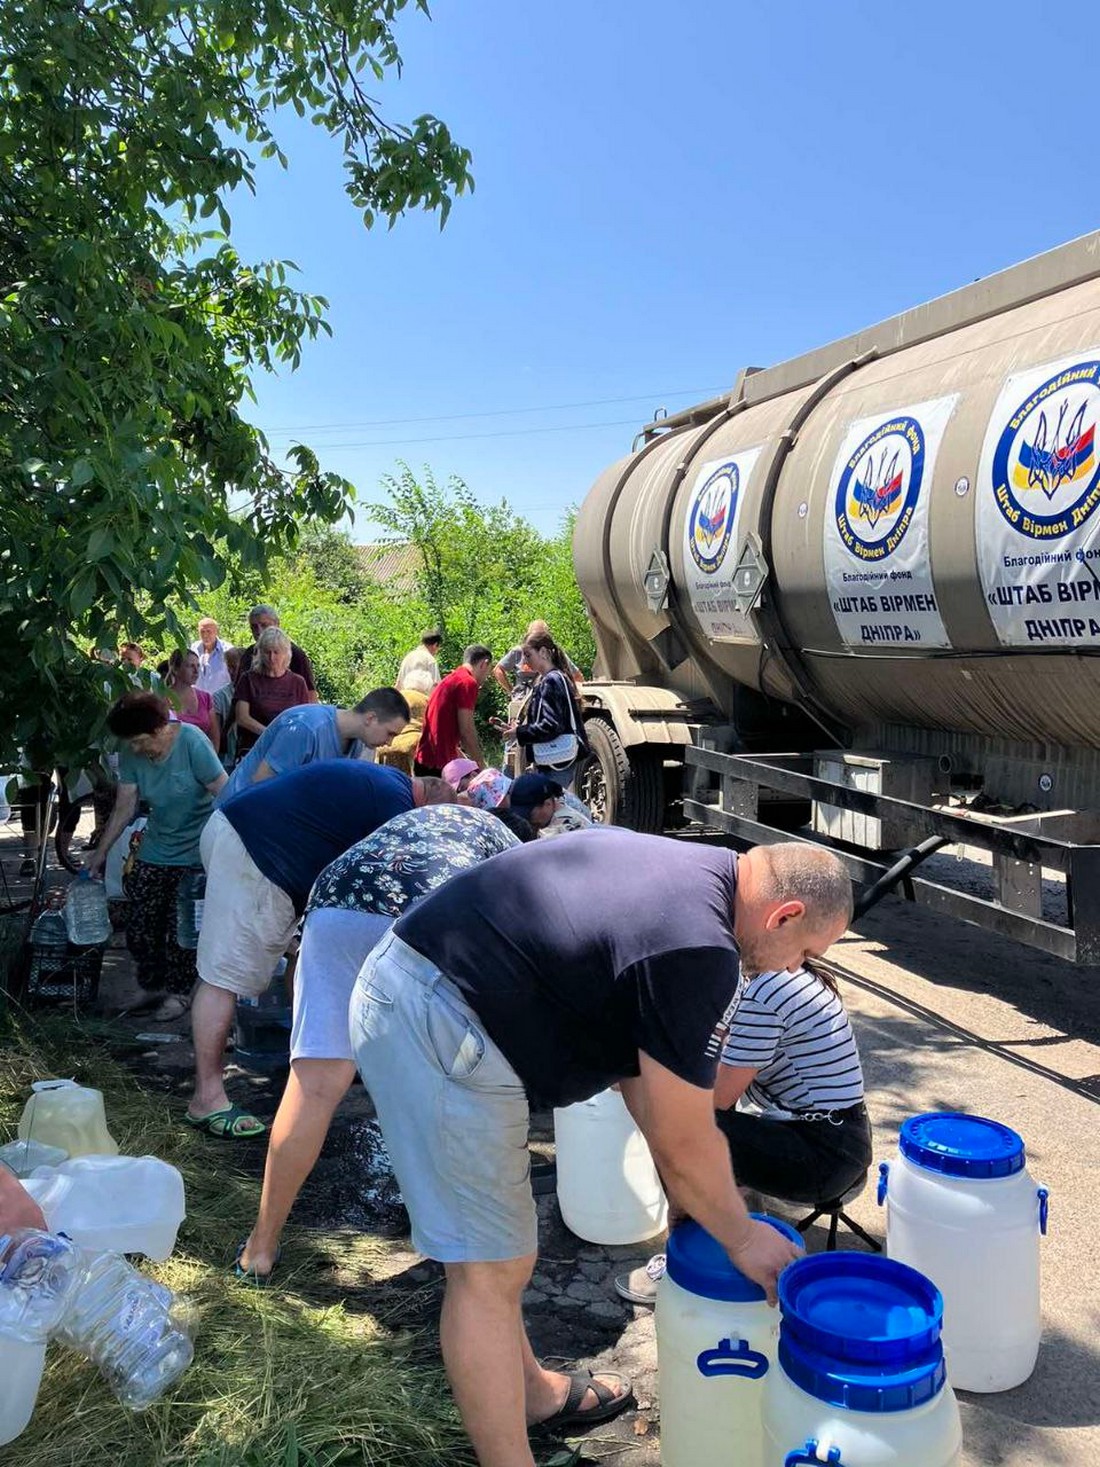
x,y
621,788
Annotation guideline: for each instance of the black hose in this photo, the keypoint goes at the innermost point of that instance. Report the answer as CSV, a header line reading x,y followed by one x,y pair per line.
x,y
899,871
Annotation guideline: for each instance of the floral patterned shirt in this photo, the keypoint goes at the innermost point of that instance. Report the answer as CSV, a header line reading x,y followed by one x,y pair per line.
x,y
408,857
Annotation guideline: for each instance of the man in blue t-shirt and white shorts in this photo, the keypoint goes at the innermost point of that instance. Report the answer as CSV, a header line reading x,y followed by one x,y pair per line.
x,y
616,959
262,851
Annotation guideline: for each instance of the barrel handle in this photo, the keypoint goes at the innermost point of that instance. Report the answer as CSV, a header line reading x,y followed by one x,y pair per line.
x,y
883,1180
731,1357
1043,1195
808,1456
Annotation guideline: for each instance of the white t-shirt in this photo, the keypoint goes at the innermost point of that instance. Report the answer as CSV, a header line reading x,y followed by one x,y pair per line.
x,y
418,660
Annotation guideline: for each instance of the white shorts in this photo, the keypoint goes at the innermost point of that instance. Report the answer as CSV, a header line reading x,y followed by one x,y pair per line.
x,y
335,945
247,921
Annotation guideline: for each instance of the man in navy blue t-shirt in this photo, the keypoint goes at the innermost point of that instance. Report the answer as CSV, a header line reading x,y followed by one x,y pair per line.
x,y
553,971
262,852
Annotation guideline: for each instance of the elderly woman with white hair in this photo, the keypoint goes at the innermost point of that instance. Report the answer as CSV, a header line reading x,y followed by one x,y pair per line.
x,y
266,688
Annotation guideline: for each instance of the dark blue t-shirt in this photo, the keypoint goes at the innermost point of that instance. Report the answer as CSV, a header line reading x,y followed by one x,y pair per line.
x,y
294,824
576,954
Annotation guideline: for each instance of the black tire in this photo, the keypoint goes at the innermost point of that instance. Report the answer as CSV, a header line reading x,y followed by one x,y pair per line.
x,y
621,788
70,850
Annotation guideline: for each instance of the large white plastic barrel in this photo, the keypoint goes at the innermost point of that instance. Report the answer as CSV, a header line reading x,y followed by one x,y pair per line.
x,y
859,1379
608,1188
716,1337
961,1208
63,1113
120,1204
21,1367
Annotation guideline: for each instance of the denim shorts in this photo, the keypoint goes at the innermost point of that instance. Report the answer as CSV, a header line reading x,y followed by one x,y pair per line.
x,y
453,1112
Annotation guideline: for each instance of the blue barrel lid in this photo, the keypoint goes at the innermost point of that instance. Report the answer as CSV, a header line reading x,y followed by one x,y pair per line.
x,y
699,1263
861,1331
958,1145
859,1306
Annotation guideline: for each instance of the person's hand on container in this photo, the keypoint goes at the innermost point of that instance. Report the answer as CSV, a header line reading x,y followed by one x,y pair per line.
x,y
18,1209
764,1255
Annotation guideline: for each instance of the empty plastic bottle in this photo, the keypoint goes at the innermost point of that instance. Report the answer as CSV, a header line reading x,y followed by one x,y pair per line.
x,y
86,916
98,1305
190,900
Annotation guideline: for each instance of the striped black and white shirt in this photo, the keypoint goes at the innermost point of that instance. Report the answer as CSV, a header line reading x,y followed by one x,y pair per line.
x,y
794,1032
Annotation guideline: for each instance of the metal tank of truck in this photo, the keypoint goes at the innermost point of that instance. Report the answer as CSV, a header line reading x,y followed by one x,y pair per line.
x,y
860,597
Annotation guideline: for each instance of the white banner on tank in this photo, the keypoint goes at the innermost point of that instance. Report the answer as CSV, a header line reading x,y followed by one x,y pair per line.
x,y
712,543
1036,521
877,567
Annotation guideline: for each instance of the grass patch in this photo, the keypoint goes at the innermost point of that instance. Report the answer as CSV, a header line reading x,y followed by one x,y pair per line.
x,y
312,1373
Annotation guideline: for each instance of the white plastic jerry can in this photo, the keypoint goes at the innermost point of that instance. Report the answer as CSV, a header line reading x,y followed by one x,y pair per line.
x,y
961,1208
859,1379
608,1188
120,1204
71,1116
21,1367
716,1338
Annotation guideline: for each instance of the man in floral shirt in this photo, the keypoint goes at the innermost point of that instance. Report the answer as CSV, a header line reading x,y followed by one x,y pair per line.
x,y
353,903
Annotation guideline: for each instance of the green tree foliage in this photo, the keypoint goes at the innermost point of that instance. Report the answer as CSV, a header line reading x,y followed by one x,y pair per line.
x,y
480,573
130,328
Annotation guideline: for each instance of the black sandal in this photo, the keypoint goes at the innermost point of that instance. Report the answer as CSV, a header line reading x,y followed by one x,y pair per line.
x,y
608,1404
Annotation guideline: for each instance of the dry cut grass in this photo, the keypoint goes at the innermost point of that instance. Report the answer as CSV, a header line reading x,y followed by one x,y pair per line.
x,y
300,1375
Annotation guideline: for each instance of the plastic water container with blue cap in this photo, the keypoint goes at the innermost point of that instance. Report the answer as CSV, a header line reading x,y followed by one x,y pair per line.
x,y
716,1339
961,1207
859,1379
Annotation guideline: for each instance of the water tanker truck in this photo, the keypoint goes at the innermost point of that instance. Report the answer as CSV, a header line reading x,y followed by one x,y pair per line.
x,y
857,600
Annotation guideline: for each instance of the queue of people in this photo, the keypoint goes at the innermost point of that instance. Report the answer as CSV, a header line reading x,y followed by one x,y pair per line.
x,y
468,968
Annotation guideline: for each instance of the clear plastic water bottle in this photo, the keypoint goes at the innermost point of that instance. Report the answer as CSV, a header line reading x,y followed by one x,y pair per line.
x,y
49,938
129,1326
86,916
190,900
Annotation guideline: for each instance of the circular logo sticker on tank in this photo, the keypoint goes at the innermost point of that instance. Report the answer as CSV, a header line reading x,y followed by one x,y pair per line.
x,y
1046,475
710,523
879,488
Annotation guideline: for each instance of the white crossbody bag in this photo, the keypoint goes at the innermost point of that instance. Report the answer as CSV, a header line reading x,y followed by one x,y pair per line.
x,y
559,752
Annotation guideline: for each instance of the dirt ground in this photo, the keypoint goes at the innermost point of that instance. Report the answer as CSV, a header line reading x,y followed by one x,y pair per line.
x,y
946,1018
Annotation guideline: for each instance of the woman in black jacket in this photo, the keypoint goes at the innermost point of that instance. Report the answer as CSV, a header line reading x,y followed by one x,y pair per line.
x,y
549,728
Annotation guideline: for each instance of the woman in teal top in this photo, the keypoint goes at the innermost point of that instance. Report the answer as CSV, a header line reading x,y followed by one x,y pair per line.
x,y
173,768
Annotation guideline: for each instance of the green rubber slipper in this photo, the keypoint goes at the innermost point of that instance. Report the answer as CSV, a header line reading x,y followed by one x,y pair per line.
x,y
233,1123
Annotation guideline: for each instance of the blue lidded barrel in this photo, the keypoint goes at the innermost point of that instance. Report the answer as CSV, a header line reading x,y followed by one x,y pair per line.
x,y
961,1208
860,1379
716,1339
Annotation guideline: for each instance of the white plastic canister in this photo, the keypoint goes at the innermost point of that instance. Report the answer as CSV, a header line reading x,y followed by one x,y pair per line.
x,y
118,1204
608,1188
63,1113
961,1207
21,1367
859,1379
716,1337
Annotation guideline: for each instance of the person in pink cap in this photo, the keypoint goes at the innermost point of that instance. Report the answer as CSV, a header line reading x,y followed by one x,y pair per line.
x,y
488,789
458,772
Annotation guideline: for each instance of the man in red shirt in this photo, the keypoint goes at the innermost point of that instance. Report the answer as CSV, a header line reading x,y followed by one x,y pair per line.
x,y
449,717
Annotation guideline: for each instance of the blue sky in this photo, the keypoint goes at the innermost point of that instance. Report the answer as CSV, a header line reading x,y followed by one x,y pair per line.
x,y
665,193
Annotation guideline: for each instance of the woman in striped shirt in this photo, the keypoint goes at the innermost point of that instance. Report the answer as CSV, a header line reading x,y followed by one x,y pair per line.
x,y
791,1055
804,1136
